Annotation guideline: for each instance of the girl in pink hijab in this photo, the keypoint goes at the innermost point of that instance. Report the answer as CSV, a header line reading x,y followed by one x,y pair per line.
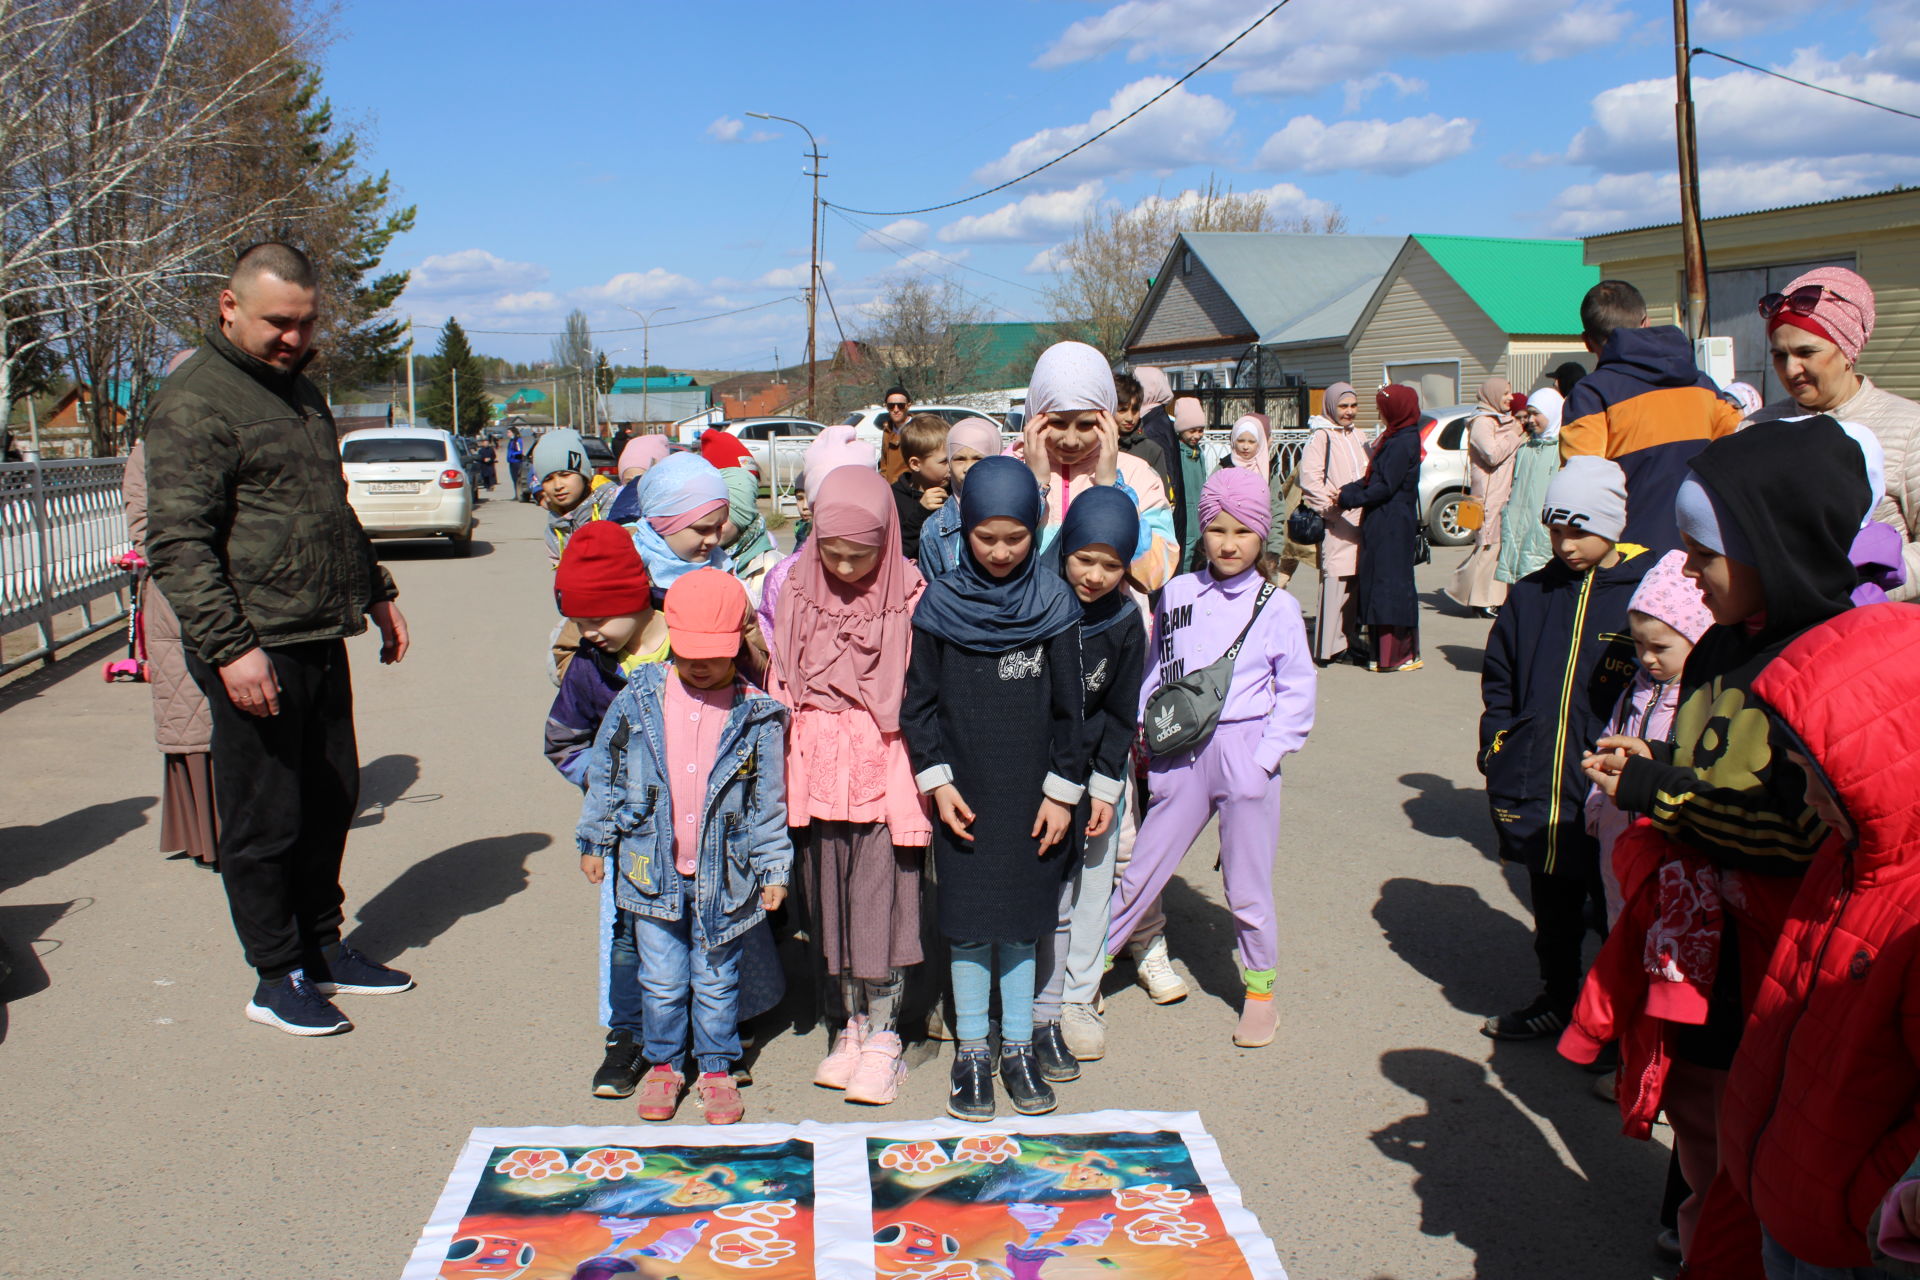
x,y
843,628
1250,446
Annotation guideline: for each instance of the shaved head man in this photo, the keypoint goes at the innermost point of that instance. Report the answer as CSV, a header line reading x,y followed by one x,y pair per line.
x,y
269,306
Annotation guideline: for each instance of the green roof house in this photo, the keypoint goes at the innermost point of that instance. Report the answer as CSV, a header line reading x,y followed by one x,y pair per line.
x,y
1002,354
1453,311
671,382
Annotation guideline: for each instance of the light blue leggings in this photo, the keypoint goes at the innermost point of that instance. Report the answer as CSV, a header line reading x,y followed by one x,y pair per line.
x,y
976,967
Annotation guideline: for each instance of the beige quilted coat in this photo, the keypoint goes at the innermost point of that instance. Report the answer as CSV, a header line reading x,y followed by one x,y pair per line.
x,y
181,723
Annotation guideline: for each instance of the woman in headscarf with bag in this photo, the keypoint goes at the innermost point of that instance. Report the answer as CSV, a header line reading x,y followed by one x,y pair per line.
x,y
1817,329
1492,440
1390,536
1335,456
1525,543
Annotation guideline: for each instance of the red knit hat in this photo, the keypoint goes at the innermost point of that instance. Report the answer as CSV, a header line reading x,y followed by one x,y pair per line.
x,y
601,574
706,613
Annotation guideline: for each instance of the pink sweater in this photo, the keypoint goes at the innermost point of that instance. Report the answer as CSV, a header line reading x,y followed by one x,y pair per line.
x,y
694,719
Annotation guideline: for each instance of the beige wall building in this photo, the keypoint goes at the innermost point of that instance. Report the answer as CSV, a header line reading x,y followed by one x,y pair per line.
x,y
1750,255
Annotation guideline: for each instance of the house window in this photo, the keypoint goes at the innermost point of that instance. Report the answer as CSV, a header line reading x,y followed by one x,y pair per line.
x,y
1732,312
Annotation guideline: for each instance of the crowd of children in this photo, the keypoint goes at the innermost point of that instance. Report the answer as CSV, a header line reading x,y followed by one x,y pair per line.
x,y
929,709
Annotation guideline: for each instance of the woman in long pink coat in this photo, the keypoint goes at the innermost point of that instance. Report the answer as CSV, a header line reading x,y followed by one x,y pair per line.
x,y
1336,454
1492,441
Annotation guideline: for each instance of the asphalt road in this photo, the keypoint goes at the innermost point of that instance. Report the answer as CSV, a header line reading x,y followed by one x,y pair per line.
x,y
152,1131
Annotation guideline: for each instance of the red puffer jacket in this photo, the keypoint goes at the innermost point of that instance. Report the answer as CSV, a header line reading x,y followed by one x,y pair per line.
x,y
1822,1111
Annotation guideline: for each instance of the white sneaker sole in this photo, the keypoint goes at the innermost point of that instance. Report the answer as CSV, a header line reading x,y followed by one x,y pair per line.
x,y
1166,995
344,989
267,1017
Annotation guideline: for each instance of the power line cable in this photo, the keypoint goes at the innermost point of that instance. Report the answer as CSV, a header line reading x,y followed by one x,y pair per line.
x,y
1804,84
979,195
664,324
875,231
988,303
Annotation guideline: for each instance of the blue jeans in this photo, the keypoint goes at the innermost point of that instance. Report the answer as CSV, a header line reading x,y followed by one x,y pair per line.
x,y
623,978
975,968
1781,1265
678,973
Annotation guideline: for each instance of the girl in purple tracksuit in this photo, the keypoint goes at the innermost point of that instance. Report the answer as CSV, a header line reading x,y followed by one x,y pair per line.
x,y
1236,773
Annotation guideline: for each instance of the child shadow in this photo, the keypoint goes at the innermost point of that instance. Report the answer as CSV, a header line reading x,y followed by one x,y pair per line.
x,y
385,783
35,851
23,942
1488,1177
434,894
1446,811
1480,958
1464,657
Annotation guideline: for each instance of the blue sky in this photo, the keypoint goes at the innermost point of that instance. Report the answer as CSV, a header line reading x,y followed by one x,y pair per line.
x,y
597,154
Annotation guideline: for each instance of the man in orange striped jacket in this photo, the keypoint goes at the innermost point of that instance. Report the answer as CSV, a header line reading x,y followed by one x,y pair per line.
x,y
1646,406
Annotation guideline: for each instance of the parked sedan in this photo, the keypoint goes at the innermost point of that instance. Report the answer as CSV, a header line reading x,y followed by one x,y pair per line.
x,y
409,482
1444,471
761,436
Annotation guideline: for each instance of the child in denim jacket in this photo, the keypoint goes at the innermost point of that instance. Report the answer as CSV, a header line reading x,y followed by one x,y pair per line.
x,y
687,790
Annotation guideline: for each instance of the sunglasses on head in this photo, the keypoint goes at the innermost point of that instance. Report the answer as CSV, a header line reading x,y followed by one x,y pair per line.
x,y
1801,302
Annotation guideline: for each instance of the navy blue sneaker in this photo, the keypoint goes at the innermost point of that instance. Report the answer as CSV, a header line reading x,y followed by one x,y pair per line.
x,y
292,1004
352,974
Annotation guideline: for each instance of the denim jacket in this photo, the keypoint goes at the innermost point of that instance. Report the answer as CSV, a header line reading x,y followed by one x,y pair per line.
x,y
744,845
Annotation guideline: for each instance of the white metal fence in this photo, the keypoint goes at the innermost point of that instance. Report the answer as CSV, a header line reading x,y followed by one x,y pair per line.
x,y
62,525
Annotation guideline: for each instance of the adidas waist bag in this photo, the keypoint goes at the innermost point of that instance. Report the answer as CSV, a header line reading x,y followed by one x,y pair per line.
x,y
1182,714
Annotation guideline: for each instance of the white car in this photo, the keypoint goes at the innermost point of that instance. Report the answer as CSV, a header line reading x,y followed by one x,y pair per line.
x,y
867,421
1444,471
761,434
409,482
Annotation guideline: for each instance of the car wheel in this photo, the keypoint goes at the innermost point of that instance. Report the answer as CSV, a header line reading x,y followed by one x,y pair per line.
x,y
462,542
1443,521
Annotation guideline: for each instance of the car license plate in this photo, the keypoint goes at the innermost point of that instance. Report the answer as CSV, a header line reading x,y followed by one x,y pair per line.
x,y
393,486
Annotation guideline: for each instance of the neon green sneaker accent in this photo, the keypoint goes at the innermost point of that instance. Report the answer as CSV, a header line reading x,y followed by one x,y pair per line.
x,y
1260,981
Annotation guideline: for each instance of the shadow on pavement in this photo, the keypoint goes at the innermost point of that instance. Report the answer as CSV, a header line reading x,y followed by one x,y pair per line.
x,y
1480,958
33,852
427,549
23,940
1464,657
1488,1177
433,894
1201,935
384,783
1441,809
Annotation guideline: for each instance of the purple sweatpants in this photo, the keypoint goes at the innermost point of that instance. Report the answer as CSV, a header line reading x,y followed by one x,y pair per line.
x,y
1188,790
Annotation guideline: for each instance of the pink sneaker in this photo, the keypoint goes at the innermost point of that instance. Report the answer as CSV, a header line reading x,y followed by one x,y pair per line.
x,y
876,1081
660,1093
837,1067
719,1097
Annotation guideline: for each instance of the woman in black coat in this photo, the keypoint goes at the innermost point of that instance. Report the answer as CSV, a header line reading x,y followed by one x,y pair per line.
x,y
1390,534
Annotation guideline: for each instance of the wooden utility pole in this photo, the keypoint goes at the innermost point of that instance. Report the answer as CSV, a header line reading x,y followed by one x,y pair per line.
x,y
813,245
1693,249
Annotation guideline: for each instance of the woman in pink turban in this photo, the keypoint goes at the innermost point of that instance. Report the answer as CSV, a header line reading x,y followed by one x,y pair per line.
x,y
1817,328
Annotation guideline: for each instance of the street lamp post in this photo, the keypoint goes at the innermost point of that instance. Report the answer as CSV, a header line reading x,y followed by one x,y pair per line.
x,y
646,355
813,243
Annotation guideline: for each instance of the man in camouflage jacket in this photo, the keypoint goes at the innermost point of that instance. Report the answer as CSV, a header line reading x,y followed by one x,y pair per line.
x,y
251,538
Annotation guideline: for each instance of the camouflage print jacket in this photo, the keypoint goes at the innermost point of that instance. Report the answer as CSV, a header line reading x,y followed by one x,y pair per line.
x,y
248,528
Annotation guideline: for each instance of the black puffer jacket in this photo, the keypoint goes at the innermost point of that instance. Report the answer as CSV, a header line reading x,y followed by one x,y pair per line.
x,y
249,531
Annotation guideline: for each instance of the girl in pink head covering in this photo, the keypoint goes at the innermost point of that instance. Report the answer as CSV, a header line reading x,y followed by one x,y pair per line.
x,y
832,449
1235,774
1493,443
1335,456
843,629
1250,445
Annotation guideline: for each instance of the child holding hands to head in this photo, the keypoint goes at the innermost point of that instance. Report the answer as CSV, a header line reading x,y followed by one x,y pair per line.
x,y
993,719
686,795
843,629
1236,773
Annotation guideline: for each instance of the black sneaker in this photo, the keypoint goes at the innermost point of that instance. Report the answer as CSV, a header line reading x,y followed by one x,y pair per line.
x,y
970,1096
1050,1051
1542,1018
352,974
620,1071
293,1005
1026,1090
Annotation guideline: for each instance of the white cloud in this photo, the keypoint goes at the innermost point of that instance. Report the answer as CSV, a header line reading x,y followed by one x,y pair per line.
x,y
728,129
926,260
1719,20
1371,146
656,284
1181,129
1045,262
536,302
794,277
1358,91
889,238
1311,46
1042,216
1617,201
471,271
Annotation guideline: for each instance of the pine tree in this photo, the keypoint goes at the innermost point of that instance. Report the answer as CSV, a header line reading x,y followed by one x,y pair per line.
x,y
436,404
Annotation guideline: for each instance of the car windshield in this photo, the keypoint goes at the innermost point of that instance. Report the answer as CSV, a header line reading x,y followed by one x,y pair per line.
x,y
391,450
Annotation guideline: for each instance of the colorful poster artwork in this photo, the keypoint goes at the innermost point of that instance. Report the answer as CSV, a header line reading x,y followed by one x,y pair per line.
x,y
619,1209
1045,1207
1078,1197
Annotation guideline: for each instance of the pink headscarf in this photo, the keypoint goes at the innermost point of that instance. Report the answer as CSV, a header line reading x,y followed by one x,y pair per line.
x,y
640,454
976,434
844,645
1187,414
834,447
1154,387
1256,424
1240,494
1844,316
1670,596
1747,394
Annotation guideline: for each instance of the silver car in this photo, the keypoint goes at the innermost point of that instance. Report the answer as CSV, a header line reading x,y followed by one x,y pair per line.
x,y
409,482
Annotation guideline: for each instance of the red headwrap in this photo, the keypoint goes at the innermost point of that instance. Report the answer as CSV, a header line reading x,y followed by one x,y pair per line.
x,y
1399,409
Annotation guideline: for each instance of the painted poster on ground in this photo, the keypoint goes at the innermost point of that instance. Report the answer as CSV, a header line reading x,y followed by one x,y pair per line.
x,y
1107,1194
